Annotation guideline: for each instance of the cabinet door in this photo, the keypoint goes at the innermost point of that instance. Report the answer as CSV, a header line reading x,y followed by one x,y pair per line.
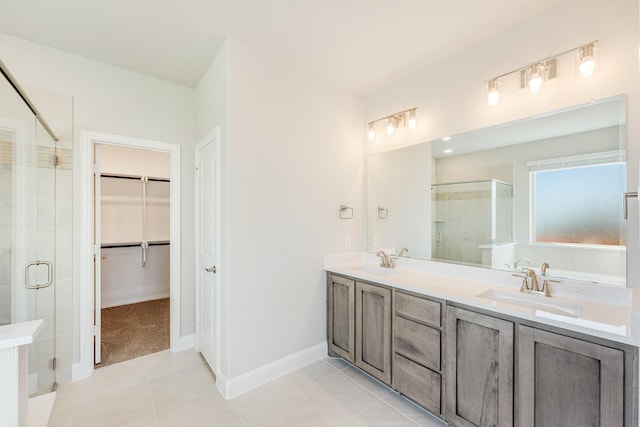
x,y
341,317
568,382
478,369
373,330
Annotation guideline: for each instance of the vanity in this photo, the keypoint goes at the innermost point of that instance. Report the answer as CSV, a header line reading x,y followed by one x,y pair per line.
x,y
467,346
438,315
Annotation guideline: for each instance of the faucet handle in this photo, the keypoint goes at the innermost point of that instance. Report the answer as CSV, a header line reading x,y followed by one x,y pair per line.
x,y
392,261
545,285
525,283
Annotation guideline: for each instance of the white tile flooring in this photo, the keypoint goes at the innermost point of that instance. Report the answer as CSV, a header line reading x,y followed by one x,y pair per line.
x,y
177,389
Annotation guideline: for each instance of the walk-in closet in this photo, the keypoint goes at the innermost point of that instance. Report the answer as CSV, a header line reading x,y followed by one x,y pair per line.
x,y
132,228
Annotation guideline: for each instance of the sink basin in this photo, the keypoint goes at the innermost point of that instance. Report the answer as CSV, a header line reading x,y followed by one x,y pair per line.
x,y
375,269
533,301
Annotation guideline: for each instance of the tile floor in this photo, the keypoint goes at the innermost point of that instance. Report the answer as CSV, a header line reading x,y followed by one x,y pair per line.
x,y
177,389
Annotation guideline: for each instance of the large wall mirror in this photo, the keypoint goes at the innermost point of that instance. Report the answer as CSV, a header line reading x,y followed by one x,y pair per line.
x,y
547,189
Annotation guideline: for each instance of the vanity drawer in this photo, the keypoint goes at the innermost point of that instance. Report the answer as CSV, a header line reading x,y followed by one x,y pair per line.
x,y
417,342
418,383
420,309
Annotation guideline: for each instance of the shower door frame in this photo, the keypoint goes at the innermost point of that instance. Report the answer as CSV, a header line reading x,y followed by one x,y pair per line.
x,y
22,245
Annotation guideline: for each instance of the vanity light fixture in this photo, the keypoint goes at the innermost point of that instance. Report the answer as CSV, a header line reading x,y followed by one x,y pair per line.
x,y
394,121
534,75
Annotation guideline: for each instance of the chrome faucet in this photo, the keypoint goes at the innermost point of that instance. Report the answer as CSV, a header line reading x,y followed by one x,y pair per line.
x,y
403,251
385,260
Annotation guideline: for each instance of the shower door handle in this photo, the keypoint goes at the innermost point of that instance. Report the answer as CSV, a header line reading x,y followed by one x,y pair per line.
x,y
625,202
36,285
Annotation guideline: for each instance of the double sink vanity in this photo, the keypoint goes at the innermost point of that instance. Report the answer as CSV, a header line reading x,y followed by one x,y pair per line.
x,y
465,344
451,328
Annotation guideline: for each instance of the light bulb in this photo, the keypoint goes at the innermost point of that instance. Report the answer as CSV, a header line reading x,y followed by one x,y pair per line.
x,y
535,83
535,80
587,67
412,120
587,61
536,77
372,132
390,126
493,96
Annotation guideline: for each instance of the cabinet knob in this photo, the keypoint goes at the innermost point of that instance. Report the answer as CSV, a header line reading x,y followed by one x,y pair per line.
x,y
210,270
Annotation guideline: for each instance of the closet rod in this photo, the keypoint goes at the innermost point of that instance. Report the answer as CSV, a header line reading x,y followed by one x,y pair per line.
x,y
110,175
133,244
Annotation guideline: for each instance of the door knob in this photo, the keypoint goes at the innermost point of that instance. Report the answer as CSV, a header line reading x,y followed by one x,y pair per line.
x,y
210,270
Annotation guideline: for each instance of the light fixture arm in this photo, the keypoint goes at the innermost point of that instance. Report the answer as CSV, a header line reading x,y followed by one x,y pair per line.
x,y
398,118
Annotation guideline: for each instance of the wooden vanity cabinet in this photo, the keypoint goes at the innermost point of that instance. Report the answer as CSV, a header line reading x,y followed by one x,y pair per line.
x,y
341,294
417,349
479,369
373,330
359,325
466,366
565,381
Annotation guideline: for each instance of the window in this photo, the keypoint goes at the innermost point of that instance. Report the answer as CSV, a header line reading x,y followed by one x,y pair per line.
x,y
579,205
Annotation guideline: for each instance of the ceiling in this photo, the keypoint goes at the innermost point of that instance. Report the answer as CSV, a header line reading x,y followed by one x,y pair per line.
x,y
358,45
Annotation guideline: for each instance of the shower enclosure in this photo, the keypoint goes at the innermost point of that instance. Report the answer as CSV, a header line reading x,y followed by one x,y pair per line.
x,y
472,221
34,170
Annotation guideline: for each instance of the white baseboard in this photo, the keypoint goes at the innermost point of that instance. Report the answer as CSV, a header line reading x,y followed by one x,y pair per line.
x,y
233,387
183,343
109,304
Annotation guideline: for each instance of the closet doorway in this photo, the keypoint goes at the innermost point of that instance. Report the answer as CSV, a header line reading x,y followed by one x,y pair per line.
x,y
132,224
89,253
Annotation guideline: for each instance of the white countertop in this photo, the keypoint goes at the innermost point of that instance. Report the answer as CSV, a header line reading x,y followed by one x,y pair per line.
x,y
17,334
607,312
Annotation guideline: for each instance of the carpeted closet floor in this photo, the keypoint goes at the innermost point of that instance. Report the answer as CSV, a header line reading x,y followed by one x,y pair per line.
x,y
133,330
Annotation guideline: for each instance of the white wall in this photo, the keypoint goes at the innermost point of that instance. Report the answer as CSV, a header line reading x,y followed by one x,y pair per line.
x,y
398,181
293,154
451,95
112,100
134,161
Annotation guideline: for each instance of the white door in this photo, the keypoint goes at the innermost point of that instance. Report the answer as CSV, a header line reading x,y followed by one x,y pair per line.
x,y
206,242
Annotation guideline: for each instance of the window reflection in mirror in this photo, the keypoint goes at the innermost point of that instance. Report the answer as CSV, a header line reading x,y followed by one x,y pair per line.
x,y
546,189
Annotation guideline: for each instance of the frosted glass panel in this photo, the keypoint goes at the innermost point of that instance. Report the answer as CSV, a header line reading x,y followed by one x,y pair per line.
x,y
580,205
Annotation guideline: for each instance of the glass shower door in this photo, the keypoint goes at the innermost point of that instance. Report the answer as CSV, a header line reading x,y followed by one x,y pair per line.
x,y
28,232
